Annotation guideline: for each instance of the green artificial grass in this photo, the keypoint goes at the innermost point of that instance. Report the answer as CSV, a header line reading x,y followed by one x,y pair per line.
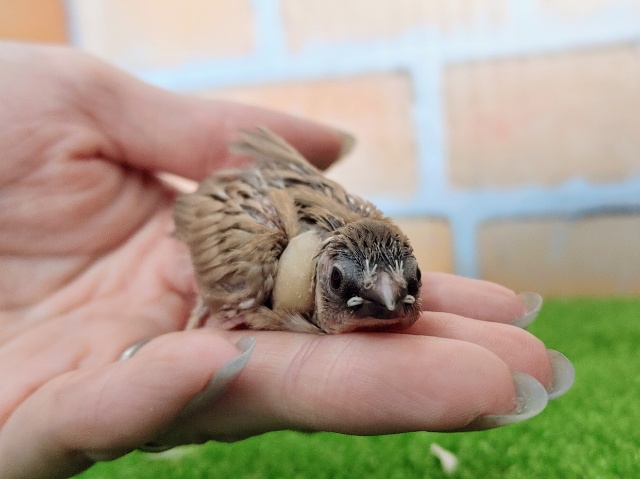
x,y
591,432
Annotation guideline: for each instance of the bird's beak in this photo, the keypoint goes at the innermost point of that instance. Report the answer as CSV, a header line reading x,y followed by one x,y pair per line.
x,y
387,294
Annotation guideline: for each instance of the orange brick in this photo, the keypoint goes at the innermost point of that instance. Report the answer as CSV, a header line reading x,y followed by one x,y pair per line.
x,y
333,21
545,119
164,33
591,256
33,20
577,9
376,108
431,241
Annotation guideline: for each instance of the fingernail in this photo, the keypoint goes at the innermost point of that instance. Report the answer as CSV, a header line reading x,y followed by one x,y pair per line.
x,y
531,399
532,304
348,141
222,378
564,374
104,456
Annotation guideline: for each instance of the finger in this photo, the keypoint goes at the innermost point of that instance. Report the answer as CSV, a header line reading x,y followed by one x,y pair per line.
x,y
112,409
360,384
468,297
158,130
520,350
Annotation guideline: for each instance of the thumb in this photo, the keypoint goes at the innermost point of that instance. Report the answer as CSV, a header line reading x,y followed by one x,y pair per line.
x,y
158,130
97,413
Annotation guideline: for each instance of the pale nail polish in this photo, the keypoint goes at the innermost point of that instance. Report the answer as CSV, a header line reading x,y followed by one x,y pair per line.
x,y
222,378
564,374
531,399
105,456
533,304
347,143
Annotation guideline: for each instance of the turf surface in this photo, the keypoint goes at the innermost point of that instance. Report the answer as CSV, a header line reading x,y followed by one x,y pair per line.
x,y
592,432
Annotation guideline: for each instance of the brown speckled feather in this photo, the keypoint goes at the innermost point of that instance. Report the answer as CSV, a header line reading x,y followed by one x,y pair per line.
x,y
234,218
319,201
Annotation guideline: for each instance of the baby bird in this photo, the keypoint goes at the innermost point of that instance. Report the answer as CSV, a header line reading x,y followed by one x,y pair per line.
x,y
280,247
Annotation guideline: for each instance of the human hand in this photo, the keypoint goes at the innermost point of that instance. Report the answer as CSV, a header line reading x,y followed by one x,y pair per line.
x,y
87,264
88,267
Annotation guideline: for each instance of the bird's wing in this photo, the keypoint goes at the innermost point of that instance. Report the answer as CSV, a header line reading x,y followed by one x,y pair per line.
x,y
236,228
317,199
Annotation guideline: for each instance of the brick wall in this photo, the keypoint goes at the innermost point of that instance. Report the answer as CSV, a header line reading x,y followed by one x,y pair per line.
x,y
504,135
33,20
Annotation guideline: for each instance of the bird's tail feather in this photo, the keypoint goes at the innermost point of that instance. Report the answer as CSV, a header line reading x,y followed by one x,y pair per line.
x,y
263,145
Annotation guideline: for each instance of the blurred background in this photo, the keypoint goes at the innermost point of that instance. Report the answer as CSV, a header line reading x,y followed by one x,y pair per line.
x,y
503,135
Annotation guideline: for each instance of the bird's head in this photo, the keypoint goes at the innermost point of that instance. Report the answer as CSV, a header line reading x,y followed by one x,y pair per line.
x,y
366,278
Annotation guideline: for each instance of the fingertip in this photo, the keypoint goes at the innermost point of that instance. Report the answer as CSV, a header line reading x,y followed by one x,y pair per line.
x,y
564,374
532,303
348,142
488,388
320,144
530,399
516,347
469,297
162,131
189,136
528,354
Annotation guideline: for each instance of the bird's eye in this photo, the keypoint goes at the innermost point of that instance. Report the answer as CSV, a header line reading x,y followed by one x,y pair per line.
x,y
412,287
336,278
413,284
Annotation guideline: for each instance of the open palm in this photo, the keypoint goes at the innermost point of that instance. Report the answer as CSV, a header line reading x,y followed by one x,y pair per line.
x,y
88,267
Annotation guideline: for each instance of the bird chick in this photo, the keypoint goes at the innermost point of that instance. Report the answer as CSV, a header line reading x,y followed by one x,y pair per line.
x,y
278,246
